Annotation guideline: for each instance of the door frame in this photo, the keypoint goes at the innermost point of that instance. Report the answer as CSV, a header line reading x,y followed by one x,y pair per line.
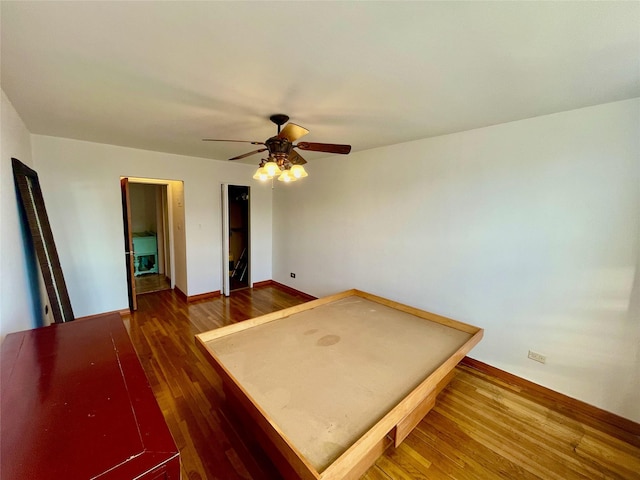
x,y
226,284
169,245
128,244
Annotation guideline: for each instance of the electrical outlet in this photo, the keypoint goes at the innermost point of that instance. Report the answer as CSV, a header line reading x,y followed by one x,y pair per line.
x,y
538,357
293,275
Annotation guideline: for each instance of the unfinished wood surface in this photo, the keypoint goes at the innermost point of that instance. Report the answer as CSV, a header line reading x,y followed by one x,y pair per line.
x,y
325,376
206,337
481,427
291,464
408,423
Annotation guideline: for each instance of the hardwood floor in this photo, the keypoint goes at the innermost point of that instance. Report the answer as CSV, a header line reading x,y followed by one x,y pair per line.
x,y
480,428
151,282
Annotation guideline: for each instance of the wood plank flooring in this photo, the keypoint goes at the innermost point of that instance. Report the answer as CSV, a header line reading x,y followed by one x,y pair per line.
x,y
480,428
151,282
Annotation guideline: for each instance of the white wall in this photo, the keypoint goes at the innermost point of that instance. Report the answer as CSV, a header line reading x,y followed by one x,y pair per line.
x,y
179,237
81,188
529,229
19,296
143,207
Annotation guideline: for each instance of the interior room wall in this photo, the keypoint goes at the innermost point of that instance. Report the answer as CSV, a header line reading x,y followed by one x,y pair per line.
x,y
180,237
143,207
161,211
19,297
528,229
81,187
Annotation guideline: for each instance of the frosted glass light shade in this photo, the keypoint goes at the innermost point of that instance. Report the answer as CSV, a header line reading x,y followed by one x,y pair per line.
x,y
298,171
286,177
272,169
261,174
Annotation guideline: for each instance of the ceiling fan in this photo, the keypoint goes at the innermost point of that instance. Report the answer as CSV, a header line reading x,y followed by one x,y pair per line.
x,y
283,159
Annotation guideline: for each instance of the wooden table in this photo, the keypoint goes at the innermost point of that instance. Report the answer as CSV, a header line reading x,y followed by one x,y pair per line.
x,y
329,384
76,405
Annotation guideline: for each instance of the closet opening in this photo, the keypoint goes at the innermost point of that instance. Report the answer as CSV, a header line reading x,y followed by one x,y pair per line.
x,y
237,237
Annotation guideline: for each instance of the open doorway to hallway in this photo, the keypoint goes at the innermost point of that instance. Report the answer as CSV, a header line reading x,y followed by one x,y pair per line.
x,y
153,215
151,242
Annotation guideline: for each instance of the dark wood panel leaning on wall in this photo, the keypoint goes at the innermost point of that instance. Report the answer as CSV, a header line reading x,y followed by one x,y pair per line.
x,y
34,214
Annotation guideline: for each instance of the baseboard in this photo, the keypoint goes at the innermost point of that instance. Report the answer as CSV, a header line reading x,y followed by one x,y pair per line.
x,y
195,298
181,294
614,424
203,296
287,288
122,313
264,283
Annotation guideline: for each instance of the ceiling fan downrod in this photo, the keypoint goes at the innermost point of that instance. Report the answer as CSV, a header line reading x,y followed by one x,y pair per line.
x,y
279,119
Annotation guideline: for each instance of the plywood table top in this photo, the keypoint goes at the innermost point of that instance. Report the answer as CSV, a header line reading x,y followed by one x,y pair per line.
x,y
327,375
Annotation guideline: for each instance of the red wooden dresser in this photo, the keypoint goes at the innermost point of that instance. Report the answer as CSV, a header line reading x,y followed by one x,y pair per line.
x,y
76,404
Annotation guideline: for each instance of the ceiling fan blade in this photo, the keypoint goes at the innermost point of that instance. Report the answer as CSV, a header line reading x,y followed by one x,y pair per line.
x,y
296,159
324,147
237,141
248,154
292,132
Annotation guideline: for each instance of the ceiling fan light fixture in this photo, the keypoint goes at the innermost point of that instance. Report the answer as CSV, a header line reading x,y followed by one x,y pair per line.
x,y
286,177
298,171
261,174
272,169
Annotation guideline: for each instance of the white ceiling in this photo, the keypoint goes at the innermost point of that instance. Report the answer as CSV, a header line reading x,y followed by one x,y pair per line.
x,y
163,75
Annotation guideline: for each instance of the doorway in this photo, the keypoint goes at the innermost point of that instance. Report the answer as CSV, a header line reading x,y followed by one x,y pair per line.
x,y
149,219
237,235
149,234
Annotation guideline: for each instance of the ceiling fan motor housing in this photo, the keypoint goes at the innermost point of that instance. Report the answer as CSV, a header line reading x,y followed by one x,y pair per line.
x,y
280,148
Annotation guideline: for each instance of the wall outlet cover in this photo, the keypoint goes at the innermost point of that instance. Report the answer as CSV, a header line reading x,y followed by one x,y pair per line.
x,y
538,357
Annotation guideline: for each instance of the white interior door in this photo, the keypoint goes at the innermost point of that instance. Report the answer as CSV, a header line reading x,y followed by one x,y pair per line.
x,y
225,240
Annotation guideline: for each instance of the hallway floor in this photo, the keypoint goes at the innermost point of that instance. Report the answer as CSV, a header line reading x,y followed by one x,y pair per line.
x,y
152,282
